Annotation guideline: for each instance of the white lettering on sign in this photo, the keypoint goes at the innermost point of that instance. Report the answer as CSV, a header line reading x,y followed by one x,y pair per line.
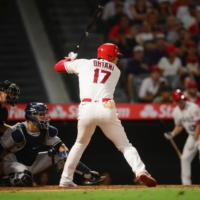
x,y
123,112
73,111
16,113
165,111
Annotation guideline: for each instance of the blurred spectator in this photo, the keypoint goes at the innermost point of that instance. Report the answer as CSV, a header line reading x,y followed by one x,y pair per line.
x,y
126,44
182,44
152,19
108,180
187,15
44,179
150,86
185,79
192,62
131,40
164,11
124,23
139,12
171,66
145,34
136,71
119,11
173,26
165,95
123,44
110,10
178,3
191,93
153,56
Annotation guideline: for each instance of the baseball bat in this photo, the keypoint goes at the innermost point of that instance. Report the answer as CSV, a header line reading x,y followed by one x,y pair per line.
x,y
90,26
171,140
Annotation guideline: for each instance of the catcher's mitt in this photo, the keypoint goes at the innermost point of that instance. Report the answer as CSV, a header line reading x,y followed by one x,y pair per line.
x,y
61,161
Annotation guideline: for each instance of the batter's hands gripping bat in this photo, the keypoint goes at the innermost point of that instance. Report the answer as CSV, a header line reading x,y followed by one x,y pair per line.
x,y
171,140
90,26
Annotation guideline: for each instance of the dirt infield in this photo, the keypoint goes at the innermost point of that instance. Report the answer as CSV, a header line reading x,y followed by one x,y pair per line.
x,y
97,187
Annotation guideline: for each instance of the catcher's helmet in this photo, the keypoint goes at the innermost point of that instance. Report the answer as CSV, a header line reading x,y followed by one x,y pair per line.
x,y
108,51
12,91
33,111
178,95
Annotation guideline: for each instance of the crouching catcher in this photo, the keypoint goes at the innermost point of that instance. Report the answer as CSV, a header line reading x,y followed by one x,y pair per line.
x,y
23,159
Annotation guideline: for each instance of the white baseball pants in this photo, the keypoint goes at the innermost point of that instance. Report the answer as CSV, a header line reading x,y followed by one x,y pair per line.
x,y
91,115
189,151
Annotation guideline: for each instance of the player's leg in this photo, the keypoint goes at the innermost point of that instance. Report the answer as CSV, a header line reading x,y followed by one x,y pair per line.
x,y
14,173
43,161
186,159
112,128
85,132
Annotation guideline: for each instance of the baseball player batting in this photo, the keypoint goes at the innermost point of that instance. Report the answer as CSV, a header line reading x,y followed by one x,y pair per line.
x,y
97,82
186,115
23,158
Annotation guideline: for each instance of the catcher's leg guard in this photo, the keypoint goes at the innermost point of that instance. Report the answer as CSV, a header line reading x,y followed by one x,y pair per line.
x,y
95,179
91,177
82,169
24,178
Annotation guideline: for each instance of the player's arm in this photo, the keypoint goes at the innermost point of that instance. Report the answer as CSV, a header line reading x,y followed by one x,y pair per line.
x,y
60,66
4,128
12,139
4,117
196,118
177,129
197,131
54,141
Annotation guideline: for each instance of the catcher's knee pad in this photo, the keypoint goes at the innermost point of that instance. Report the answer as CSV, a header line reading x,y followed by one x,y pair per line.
x,y
24,178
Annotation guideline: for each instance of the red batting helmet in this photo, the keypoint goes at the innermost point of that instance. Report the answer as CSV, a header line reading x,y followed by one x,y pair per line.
x,y
177,95
108,51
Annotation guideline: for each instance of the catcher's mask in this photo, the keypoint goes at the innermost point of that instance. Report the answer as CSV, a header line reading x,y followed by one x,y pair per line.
x,y
37,113
11,90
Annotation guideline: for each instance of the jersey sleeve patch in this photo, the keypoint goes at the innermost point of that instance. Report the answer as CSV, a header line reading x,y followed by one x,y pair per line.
x,y
17,136
53,131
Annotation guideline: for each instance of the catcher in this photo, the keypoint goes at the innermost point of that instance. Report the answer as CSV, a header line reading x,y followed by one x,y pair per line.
x,y
23,158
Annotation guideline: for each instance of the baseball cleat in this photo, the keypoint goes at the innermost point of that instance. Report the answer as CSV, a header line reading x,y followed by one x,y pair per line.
x,y
147,179
95,179
68,185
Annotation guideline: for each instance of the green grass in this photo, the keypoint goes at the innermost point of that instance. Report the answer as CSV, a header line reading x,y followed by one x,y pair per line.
x,y
125,194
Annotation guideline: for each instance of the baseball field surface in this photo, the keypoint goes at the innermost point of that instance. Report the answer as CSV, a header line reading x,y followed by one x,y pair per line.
x,y
111,192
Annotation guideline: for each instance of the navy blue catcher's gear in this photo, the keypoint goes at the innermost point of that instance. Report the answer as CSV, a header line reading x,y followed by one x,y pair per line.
x,y
35,108
24,178
12,91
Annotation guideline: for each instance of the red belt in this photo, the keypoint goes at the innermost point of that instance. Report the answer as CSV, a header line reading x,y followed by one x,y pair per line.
x,y
90,100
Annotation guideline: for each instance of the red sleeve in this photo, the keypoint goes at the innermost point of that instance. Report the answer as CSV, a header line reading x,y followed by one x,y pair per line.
x,y
59,66
198,122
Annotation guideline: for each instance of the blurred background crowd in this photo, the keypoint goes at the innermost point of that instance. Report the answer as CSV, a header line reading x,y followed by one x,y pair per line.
x,y
160,43
159,40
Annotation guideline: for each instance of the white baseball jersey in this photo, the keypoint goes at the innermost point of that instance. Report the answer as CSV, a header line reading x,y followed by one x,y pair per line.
x,y
188,117
97,78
